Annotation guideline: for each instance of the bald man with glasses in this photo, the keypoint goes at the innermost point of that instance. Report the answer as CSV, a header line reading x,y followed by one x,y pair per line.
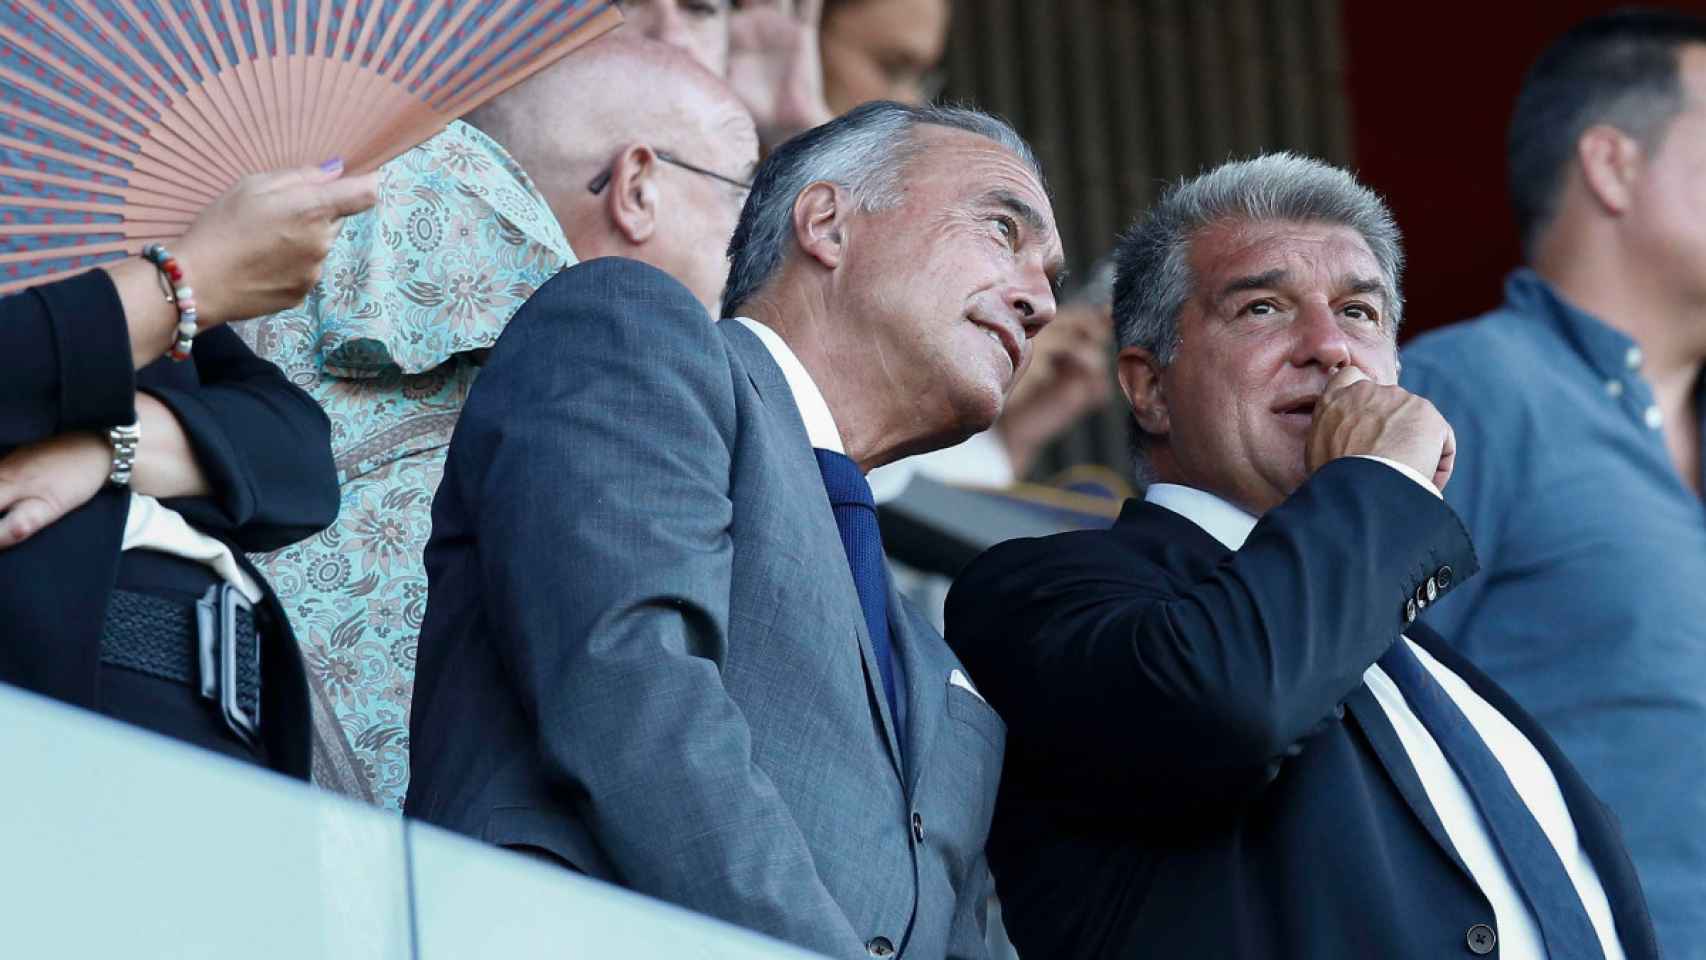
x,y
654,171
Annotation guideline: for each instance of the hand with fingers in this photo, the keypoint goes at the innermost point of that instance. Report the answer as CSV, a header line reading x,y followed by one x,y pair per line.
x,y
1359,417
255,250
43,481
258,248
775,66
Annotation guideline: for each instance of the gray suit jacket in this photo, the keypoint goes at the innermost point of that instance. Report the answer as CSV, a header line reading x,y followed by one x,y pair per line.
x,y
643,651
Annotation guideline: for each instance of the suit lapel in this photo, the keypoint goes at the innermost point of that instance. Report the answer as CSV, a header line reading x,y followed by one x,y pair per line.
x,y
1596,831
793,452
1381,736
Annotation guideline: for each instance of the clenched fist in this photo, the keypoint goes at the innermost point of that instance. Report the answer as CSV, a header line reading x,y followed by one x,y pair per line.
x,y
1358,417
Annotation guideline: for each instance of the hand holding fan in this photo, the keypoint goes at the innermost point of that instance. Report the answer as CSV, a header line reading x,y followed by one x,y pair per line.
x,y
121,119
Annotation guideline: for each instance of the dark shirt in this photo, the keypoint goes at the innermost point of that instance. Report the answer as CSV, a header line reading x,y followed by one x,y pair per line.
x,y
1591,609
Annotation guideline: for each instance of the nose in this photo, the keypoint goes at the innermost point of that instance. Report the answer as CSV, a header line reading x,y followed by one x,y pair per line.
x,y
1033,302
1320,339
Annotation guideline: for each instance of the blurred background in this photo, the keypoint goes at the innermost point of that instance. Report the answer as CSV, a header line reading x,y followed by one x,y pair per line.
x,y
1120,96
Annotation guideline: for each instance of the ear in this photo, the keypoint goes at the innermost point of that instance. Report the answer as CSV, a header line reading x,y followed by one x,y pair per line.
x,y
819,223
632,198
1610,161
1140,380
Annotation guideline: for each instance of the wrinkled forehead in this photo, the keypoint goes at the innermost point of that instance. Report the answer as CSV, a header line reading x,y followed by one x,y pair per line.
x,y
1306,257
966,167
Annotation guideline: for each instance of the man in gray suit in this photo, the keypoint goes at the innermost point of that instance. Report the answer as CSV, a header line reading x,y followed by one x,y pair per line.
x,y
660,646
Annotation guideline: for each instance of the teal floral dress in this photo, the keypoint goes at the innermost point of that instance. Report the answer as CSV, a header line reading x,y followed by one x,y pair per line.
x,y
387,342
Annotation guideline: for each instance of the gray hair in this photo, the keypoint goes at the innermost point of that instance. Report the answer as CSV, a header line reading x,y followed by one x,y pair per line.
x,y
865,152
1155,280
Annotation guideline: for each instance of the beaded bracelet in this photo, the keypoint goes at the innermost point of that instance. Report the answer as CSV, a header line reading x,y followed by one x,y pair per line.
x,y
181,295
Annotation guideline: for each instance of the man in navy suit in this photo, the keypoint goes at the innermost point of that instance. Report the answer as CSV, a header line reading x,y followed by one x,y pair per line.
x,y
660,647
1228,735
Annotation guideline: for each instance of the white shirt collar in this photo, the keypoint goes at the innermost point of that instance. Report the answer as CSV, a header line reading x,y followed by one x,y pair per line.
x,y
1220,519
814,411
1229,524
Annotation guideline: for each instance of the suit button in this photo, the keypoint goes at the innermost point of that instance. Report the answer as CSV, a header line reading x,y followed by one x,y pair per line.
x,y
918,826
1410,611
1442,576
1482,939
879,947
1421,595
1433,589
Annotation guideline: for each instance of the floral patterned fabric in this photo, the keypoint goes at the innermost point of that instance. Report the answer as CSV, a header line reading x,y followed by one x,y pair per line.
x,y
459,240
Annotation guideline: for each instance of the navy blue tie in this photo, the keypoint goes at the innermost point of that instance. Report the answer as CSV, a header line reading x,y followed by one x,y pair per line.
x,y
1531,859
856,518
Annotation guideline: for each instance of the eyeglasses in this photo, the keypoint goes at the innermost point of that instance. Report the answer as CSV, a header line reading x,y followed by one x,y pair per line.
x,y
598,183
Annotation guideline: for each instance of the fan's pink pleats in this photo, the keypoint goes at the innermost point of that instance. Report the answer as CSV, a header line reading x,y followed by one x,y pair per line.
x,y
271,70
198,196
359,86
531,60
128,229
400,136
173,101
255,65
347,63
170,215
508,24
182,155
237,75
208,128
289,80
322,73
148,157
424,61
212,101
193,135
405,118
56,229
132,195
438,94
224,89
116,246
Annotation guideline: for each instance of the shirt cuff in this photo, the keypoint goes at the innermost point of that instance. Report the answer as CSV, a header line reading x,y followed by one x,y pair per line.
x,y
1406,470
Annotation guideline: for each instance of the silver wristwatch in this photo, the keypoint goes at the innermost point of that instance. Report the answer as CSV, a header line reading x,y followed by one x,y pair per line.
x,y
124,440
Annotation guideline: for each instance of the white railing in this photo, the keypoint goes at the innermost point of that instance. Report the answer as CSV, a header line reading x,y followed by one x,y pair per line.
x,y
118,843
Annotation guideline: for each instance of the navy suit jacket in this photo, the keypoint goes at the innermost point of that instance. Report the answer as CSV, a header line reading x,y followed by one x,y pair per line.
x,y
1195,767
643,651
263,443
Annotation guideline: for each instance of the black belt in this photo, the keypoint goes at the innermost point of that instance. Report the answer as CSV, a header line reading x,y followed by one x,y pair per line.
x,y
210,645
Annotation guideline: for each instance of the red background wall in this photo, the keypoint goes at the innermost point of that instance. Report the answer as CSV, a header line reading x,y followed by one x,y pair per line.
x,y
1431,86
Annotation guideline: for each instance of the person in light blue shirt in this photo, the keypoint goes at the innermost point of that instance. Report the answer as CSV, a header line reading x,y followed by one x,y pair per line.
x,y
1578,409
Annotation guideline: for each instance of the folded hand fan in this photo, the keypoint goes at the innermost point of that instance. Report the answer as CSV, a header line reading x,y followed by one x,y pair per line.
x,y
121,119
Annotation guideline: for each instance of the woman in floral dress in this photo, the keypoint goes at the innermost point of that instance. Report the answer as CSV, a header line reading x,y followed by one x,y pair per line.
x,y
389,344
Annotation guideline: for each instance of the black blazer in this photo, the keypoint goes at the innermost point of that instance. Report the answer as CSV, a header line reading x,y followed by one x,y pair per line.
x,y
1194,766
265,445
